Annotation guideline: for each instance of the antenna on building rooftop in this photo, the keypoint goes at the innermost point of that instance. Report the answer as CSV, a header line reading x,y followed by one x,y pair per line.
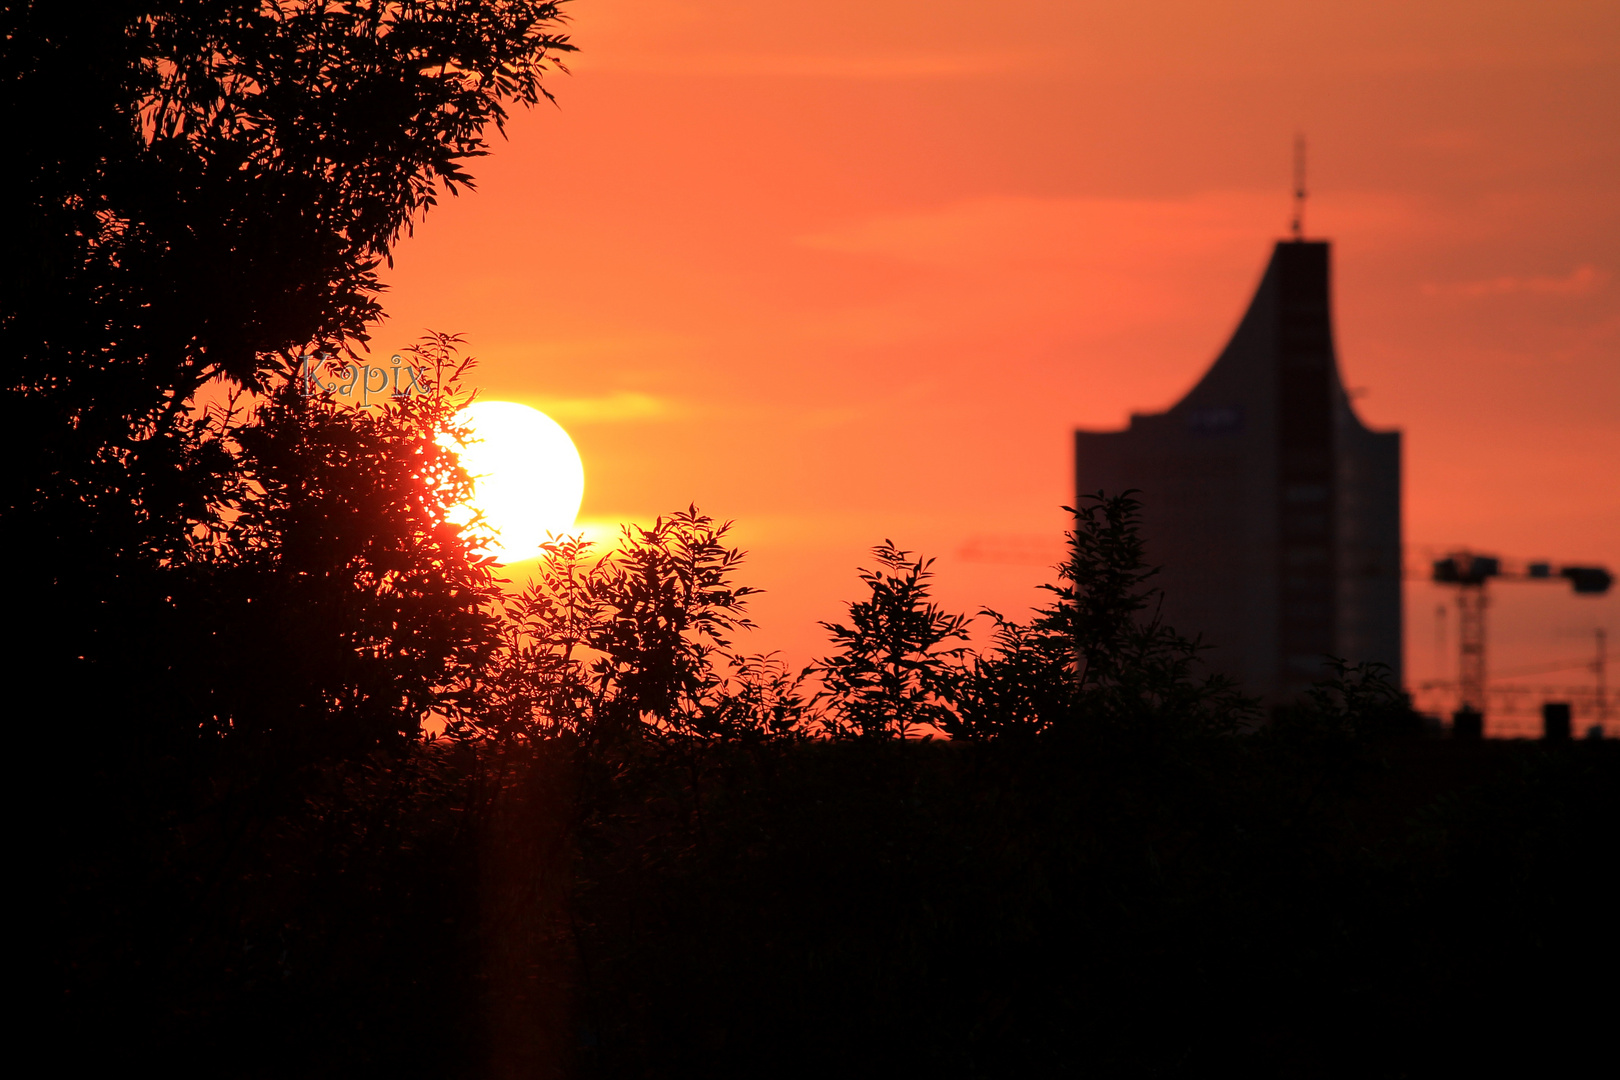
x,y
1297,226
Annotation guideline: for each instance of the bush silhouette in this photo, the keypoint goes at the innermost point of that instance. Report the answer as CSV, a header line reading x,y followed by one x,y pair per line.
x,y
1098,659
894,672
634,643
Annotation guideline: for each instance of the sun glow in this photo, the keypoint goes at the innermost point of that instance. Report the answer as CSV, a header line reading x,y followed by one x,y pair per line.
x,y
528,479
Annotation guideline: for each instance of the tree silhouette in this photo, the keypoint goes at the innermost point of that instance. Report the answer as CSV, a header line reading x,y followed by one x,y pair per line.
x,y
231,615
338,567
894,671
203,189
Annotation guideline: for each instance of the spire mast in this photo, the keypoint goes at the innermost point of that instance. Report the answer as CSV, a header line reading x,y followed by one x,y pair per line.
x,y
1297,226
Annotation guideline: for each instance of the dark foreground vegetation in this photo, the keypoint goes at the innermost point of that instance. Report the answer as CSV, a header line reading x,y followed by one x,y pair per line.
x,y
1304,901
631,848
636,854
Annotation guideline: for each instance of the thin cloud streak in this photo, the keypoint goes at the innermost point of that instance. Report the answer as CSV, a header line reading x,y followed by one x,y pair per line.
x,y
611,408
898,67
1581,281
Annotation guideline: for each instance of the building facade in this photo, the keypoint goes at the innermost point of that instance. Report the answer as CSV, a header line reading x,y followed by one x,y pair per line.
x,y
1274,512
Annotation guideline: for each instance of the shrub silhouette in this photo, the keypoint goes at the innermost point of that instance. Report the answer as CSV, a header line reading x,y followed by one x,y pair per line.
x,y
894,672
1099,657
338,566
634,643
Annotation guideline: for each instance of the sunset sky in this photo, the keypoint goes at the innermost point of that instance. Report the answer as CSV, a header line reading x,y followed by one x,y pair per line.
x,y
846,271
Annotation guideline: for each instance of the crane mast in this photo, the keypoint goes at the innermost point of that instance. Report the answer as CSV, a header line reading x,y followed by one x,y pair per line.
x,y
1470,573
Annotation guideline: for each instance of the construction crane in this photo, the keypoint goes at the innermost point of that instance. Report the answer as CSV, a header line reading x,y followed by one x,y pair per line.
x,y
1469,572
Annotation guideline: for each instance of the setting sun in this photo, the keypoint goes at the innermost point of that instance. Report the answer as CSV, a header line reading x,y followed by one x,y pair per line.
x,y
528,479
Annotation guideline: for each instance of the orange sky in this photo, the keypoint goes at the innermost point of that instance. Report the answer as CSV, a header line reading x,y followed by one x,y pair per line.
x,y
846,271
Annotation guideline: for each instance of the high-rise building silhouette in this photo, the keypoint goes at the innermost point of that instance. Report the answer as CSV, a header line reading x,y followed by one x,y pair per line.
x,y
1275,513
